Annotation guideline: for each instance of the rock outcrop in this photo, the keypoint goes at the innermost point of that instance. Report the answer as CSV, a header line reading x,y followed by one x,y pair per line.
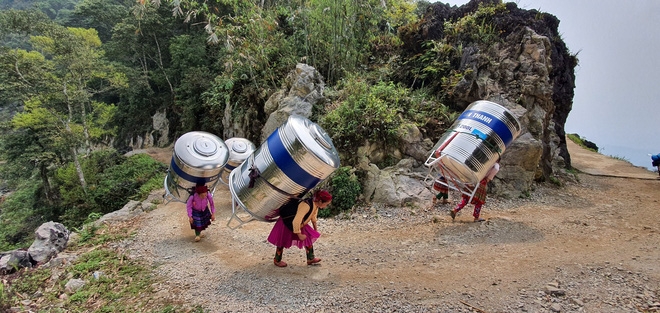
x,y
528,70
51,239
303,88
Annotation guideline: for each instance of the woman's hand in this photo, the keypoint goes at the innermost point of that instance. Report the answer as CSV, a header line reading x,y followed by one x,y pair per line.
x,y
302,236
213,217
190,219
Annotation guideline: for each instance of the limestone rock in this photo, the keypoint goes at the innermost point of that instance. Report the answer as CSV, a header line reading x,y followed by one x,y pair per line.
x,y
304,88
130,209
397,185
528,70
161,127
13,261
51,238
74,285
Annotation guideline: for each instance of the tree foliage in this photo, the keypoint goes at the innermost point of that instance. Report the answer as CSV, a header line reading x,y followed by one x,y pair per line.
x,y
19,218
113,180
94,79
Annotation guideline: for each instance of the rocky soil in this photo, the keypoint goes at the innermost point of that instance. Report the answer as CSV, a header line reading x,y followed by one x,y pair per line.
x,y
591,245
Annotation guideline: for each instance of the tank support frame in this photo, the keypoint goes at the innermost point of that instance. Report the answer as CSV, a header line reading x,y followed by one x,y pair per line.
x,y
436,167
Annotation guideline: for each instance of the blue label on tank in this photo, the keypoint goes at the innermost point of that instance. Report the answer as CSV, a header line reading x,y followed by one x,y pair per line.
x,y
495,124
287,164
479,134
197,180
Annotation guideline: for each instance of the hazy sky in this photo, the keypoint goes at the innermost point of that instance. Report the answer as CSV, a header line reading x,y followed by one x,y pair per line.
x,y
618,75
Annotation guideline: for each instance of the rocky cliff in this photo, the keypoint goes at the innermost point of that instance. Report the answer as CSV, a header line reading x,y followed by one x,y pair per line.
x,y
498,52
516,58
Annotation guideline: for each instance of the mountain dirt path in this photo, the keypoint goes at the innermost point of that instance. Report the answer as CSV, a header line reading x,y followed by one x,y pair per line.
x,y
592,245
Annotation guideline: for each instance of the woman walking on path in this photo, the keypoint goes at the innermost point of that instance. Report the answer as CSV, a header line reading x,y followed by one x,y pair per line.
x,y
479,198
292,227
201,210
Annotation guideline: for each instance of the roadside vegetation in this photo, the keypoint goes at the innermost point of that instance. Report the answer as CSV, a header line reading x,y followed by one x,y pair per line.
x,y
114,282
583,142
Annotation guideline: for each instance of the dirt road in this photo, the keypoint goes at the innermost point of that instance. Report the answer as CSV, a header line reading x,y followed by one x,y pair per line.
x,y
591,245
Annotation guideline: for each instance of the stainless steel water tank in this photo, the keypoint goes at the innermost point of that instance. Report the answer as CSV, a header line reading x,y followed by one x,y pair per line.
x,y
239,150
198,158
476,140
296,157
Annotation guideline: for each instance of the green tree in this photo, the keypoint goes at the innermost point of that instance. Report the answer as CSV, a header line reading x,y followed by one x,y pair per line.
x,y
67,70
142,46
193,66
101,15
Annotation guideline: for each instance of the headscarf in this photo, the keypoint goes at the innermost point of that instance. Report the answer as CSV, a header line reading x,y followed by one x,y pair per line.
x,y
322,196
201,189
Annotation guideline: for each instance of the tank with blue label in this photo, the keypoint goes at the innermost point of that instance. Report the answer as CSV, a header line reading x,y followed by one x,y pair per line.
x,y
198,159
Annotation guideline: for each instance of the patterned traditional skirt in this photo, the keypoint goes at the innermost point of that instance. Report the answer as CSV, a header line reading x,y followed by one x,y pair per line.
x,y
439,187
480,194
201,219
281,236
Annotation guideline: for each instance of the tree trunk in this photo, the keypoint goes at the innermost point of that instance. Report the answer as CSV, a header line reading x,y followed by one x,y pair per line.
x,y
74,152
43,173
81,175
88,143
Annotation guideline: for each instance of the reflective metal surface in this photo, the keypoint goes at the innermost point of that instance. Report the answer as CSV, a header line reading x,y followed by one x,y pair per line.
x,y
294,158
239,150
198,158
476,140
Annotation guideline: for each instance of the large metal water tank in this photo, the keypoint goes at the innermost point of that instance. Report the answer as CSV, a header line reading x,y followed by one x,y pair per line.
x,y
296,157
475,141
239,150
198,159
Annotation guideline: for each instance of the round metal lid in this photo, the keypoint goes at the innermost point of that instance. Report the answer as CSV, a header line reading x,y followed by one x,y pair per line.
x,y
315,139
239,148
205,146
201,150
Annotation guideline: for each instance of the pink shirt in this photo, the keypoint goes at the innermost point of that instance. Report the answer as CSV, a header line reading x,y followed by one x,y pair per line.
x,y
199,204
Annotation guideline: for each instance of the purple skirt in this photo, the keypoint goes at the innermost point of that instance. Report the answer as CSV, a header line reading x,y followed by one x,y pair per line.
x,y
201,219
280,236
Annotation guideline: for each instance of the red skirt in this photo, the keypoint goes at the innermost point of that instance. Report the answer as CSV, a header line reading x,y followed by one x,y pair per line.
x,y
281,236
480,194
439,187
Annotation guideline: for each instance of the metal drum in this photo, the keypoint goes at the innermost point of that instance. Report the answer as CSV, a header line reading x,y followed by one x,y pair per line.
x,y
476,140
293,160
198,158
239,150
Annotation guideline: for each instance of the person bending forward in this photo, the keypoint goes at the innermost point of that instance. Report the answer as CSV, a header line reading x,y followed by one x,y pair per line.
x,y
292,227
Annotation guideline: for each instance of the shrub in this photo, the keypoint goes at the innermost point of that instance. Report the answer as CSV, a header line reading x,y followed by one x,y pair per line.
x,y
368,112
112,180
345,189
582,142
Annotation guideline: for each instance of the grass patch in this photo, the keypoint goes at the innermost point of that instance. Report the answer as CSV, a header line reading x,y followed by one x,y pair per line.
x,y
620,158
113,282
581,142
